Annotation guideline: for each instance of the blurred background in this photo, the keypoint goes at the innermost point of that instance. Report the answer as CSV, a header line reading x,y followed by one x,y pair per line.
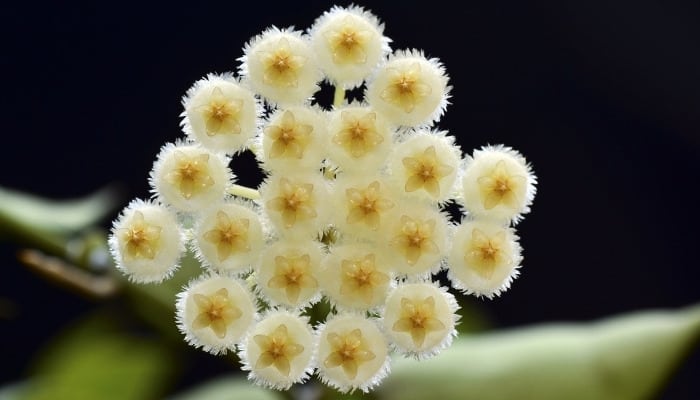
x,y
603,98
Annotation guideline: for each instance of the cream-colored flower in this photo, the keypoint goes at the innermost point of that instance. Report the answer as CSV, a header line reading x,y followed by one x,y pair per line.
x,y
146,242
214,312
296,204
352,353
294,138
484,259
279,350
220,113
498,184
363,205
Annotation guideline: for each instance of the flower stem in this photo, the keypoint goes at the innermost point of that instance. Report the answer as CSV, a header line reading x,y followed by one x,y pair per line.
x,y
244,191
338,96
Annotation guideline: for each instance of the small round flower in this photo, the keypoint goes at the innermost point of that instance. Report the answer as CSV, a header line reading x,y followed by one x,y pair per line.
x,y
280,66
420,319
288,272
484,259
409,90
296,204
294,138
229,237
356,276
279,350
190,178
349,44
362,205
220,113
498,184
214,312
146,242
425,166
360,139
417,238
352,353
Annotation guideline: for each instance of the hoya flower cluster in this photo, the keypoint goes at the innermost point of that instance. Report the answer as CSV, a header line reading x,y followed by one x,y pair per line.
x,y
351,210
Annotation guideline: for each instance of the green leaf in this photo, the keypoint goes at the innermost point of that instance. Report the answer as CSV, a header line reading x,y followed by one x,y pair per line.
x,y
623,358
96,361
229,389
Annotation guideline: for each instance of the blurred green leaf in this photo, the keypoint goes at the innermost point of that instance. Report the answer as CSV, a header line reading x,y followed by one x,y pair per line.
x,y
623,358
229,389
97,360
59,217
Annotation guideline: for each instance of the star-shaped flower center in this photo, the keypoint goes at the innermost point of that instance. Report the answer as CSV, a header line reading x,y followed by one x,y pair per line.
x,y
221,114
294,202
358,134
349,351
405,88
215,311
415,238
140,239
293,274
366,205
277,349
191,174
501,187
229,235
418,318
360,278
424,171
281,66
485,253
289,138
347,43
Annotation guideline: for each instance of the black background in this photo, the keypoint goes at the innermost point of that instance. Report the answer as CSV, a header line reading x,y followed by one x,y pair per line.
x,y
603,98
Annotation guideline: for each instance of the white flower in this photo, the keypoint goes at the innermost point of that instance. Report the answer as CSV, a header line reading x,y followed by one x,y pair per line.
x,y
420,319
279,350
280,66
498,184
288,272
356,276
352,353
229,237
214,312
349,44
146,242
294,138
362,204
190,178
409,90
360,139
485,258
425,166
220,113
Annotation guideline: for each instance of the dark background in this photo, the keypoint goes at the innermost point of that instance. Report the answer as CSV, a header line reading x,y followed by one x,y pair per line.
x,y
603,98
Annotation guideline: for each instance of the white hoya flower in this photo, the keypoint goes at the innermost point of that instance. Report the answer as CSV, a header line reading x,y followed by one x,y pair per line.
x,y
294,138
417,235
410,89
229,237
281,66
189,177
214,312
220,113
146,242
484,259
352,353
498,184
360,139
362,204
349,43
288,272
356,276
425,166
296,204
279,350
420,319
